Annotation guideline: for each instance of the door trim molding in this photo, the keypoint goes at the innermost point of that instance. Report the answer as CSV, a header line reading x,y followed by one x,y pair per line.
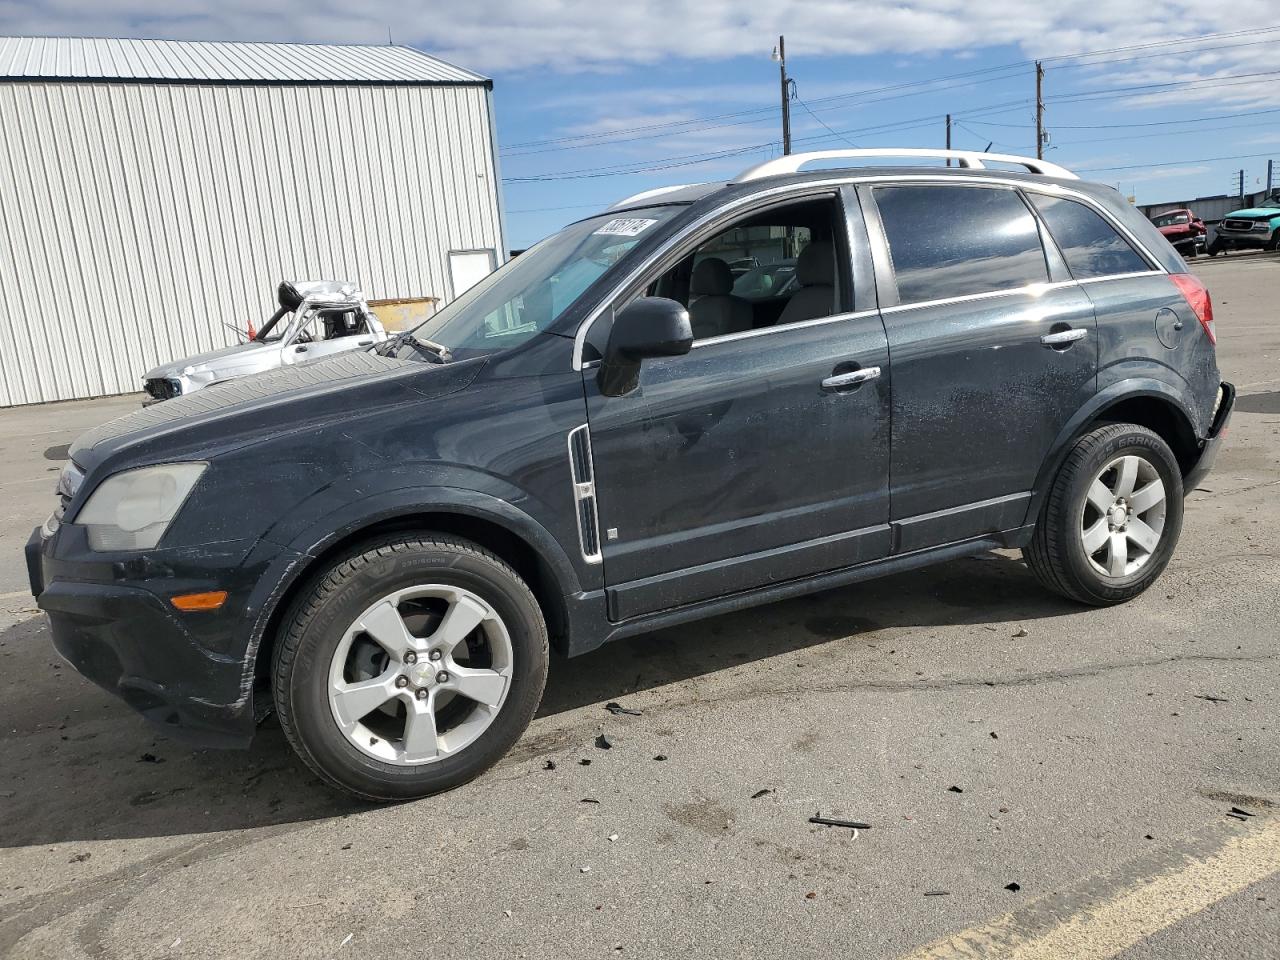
x,y
733,575
780,328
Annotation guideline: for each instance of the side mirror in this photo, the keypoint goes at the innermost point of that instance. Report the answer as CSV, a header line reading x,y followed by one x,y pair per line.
x,y
644,328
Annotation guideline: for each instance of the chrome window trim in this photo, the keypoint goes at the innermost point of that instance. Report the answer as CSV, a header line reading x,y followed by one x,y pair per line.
x,y
1124,276
776,328
852,178
1030,289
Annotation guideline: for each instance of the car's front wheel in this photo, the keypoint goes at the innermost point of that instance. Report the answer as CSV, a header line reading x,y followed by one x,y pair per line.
x,y
409,666
1112,517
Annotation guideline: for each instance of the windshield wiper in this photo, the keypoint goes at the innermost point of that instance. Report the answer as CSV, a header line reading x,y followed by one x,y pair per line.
x,y
435,352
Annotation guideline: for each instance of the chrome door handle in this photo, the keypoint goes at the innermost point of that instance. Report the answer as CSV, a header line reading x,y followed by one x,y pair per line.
x,y
850,379
1063,337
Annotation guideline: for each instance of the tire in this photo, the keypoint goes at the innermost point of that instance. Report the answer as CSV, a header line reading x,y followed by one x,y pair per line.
x,y
371,625
1059,553
1214,249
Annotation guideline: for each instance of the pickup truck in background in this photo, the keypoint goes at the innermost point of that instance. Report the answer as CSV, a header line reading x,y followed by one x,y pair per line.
x,y
1255,228
1183,229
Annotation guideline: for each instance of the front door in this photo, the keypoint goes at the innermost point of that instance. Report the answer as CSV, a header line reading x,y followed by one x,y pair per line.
x,y
994,348
762,455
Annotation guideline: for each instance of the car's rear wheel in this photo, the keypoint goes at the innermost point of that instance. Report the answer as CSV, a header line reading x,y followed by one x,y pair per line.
x,y
1111,519
409,666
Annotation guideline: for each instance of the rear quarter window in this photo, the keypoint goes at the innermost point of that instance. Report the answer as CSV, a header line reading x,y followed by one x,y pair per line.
x,y
956,241
1091,246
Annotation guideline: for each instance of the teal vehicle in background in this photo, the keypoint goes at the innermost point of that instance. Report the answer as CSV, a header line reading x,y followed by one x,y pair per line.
x,y
1250,229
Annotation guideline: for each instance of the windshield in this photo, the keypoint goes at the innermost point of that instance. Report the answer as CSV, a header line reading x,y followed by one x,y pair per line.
x,y
1170,219
527,294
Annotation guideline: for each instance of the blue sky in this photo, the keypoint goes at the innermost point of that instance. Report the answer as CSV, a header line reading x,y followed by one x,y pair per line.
x,y
585,88
1152,143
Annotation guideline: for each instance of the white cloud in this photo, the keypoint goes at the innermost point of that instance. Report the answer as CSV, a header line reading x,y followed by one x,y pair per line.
x,y
498,36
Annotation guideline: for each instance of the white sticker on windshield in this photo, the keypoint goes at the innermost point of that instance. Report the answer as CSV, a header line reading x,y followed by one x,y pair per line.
x,y
630,227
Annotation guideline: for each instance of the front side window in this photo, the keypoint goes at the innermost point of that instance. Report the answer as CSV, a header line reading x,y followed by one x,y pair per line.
x,y
957,241
527,294
1091,246
772,268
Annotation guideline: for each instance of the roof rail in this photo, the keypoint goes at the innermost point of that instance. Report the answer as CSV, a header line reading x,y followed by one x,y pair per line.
x,y
650,194
791,163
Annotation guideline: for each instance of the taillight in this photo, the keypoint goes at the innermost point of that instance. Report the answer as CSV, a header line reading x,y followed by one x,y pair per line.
x,y
1198,299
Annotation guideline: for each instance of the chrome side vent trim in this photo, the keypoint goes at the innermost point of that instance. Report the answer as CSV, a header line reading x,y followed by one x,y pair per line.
x,y
584,493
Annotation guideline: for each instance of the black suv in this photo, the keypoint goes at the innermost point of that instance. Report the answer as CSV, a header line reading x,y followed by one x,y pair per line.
x,y
601,438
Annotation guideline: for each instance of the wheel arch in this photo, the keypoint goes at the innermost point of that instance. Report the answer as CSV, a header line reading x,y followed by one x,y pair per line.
x,y
1146,403
533,555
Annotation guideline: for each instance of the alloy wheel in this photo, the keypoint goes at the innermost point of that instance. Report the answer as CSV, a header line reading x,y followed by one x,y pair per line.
x,y
1122,520
420,674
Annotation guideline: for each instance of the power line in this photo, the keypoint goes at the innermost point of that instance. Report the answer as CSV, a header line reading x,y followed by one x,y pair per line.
x,y
824,123
1145,136
653,166
1167,43
1069,97
573,206
1126,126
672,162
757,112
664,163
1174,163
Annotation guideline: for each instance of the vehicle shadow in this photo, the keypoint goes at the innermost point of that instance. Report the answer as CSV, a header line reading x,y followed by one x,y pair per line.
x,y
79,765
988,588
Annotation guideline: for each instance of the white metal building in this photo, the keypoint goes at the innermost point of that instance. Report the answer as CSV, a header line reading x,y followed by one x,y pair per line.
x,y
153,192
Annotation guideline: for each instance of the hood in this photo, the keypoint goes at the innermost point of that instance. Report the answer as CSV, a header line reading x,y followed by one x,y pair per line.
x,y
1176,228
1255,212
224,359
239,411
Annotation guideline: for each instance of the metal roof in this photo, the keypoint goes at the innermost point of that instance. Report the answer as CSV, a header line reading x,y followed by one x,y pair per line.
x,y
197,61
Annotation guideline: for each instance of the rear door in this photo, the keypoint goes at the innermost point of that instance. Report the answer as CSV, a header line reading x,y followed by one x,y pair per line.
x,y
757,458
1145,325
993,348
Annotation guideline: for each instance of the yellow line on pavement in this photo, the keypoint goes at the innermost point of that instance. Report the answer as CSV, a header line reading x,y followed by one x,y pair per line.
x,y
1100,923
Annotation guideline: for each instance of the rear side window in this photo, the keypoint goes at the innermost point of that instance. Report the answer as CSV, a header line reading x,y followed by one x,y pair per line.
x,y
956,241
1090,245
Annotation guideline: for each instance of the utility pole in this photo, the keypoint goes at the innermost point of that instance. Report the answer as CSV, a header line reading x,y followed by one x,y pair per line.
x,y
1271,164
948,137
1241,184
1039,111
780,54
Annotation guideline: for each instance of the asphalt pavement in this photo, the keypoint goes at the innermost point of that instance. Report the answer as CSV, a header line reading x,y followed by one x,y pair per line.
x,y
1040,779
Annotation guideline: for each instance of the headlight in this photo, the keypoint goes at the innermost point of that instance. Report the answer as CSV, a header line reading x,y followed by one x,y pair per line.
x,y
132,510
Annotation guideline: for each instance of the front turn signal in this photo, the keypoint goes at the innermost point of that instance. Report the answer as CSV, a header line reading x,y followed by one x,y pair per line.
x,y
209,600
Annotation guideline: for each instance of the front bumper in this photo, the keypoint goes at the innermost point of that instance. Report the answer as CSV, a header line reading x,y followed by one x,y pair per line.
x,y
1237,239
1217,433
111,619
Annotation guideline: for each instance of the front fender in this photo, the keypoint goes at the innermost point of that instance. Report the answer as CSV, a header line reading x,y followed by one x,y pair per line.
x,y
282,565
1091,411
366,510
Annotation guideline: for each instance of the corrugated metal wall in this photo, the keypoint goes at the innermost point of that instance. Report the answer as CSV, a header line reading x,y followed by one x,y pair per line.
x,y
137,218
